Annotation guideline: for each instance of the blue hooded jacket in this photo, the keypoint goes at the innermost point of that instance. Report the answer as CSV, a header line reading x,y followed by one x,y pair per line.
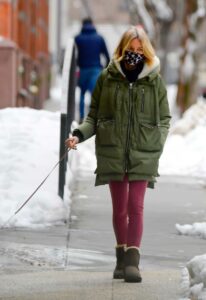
x,y
90,46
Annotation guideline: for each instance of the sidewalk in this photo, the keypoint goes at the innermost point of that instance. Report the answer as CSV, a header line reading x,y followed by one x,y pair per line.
x,y
57,263
75,285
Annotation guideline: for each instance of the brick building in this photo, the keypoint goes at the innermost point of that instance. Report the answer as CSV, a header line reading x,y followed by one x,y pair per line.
x,y
24,55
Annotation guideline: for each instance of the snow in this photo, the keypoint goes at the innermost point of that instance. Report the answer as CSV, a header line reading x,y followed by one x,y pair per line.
x,y
196,229
191,154
185,284
193,282
29,143
192,118
185,142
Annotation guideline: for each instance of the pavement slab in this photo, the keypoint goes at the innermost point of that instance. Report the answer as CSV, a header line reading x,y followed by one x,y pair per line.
x,y
75,285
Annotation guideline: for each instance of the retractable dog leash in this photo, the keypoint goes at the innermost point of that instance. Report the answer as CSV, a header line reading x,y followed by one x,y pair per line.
x,y
34,192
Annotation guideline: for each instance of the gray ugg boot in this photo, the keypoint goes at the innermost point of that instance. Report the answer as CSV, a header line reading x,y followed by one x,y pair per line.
x,y
119,269
131,268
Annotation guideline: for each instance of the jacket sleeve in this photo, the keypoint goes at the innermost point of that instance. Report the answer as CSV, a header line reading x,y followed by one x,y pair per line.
x,y
88,128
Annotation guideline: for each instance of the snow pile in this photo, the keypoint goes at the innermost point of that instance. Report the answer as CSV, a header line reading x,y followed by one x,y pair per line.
x,y
196,229
187,143
193,283
193,117
185,285
29,148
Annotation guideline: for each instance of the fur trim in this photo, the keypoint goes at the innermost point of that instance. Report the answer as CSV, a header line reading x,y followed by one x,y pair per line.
x,y
117,64
147,69
132,247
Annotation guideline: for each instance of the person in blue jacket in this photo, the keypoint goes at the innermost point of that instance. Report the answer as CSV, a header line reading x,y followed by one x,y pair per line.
x,y
90,46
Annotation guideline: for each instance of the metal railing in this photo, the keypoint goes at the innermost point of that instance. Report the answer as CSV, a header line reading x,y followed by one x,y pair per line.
x,y
67,107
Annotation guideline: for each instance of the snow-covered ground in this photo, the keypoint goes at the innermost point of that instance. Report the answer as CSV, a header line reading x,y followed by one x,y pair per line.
x,y
184,153
29,147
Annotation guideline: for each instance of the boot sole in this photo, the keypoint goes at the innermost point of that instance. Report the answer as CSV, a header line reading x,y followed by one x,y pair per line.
x,y
118,276
132,279
131,274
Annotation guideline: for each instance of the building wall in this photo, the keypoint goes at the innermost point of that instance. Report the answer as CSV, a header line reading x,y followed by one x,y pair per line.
x,y
24,36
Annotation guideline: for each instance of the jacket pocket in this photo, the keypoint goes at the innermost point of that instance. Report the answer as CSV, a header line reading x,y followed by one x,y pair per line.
x,y
149,137
106,132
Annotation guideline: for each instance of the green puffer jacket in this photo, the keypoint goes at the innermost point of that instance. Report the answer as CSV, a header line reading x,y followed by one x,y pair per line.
x,y
131,122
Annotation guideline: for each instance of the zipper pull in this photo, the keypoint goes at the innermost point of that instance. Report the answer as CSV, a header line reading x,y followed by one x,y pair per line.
x,y
130,85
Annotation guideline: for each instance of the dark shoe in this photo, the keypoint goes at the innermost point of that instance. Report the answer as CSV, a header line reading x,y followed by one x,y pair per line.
x,y
119,269
131,269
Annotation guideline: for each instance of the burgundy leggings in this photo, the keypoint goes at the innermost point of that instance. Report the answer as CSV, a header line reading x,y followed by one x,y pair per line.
x,y
128,207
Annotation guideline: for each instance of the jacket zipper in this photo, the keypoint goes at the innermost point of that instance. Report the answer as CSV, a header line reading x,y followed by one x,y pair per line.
x,y
129,124
142,100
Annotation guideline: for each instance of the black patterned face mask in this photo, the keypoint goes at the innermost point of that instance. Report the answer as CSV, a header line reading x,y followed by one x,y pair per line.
x,y
132,58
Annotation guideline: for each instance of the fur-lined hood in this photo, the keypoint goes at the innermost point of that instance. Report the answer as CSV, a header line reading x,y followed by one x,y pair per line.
x,y
148,70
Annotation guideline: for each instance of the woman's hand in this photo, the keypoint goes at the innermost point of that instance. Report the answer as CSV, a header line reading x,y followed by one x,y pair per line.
x,y
71,142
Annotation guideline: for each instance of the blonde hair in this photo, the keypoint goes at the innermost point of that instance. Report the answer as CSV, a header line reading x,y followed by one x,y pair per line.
x,y
132,33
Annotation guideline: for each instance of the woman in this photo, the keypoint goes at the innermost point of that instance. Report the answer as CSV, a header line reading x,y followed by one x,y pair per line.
x,y
130,116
